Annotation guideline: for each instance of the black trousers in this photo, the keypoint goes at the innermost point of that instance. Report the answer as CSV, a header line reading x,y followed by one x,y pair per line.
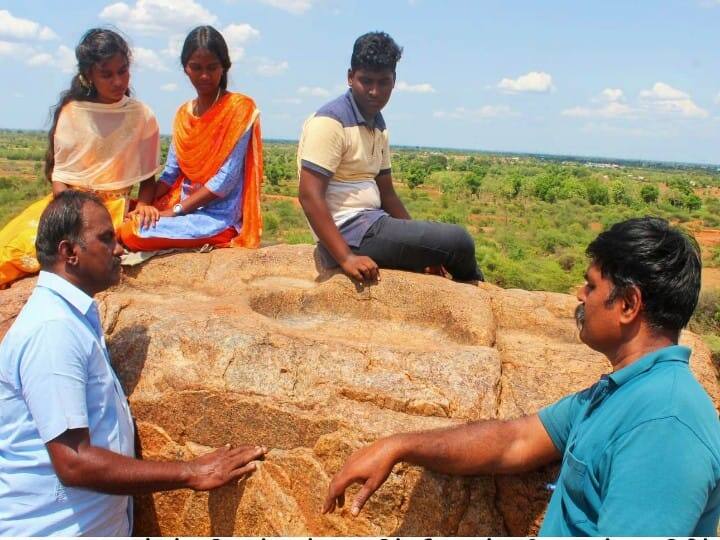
x,y
407,244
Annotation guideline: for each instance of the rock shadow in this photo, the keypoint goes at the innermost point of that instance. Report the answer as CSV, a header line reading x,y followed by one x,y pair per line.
x,y
450,505
128,349
145,519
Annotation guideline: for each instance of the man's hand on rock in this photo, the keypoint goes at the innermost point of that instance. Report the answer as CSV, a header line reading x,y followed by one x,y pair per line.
x,y
360,268
223,466
370,466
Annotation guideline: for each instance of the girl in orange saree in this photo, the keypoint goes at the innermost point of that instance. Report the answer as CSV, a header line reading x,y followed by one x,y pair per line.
x,y
209,192
101,140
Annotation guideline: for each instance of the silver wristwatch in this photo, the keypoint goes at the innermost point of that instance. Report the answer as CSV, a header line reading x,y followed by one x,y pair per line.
x,y
177,209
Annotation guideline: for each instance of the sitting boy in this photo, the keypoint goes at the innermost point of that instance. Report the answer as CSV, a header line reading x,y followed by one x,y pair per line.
x,y
346,187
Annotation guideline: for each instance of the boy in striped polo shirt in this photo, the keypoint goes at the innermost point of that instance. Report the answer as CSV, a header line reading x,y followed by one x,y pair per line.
x,y
346,185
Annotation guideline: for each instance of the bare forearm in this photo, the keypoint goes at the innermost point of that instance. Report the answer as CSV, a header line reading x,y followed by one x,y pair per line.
x,y
484,447
200,198
146,193
105,471
395,207
390,202
161,189
321,221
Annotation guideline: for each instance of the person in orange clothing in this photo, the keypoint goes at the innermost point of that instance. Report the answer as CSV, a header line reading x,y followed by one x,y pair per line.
x,y
209,192
101,140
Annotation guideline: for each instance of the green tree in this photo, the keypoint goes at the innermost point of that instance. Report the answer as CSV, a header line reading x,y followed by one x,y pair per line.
x,y
598,193
649,193
436,162
415,175
692,201
619,193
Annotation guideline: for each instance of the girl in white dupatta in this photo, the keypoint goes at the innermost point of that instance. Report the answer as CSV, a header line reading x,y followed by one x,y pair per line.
x,y
101,140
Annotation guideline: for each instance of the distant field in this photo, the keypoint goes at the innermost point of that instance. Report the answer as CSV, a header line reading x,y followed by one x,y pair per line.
x,y
531,217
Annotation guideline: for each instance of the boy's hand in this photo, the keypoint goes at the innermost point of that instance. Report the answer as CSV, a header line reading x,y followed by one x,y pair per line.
x,y
360,268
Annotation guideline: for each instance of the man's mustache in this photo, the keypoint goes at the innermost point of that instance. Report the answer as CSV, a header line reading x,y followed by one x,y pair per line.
x,y
580,316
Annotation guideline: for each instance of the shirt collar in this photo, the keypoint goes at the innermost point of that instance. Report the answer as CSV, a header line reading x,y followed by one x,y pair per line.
x,y
62,287
673,353
378,121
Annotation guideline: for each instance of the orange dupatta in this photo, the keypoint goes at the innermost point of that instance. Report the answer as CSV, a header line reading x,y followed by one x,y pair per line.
x,y
202,144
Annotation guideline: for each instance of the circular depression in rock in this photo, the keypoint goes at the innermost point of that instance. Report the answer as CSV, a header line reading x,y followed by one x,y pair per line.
x,y
325,314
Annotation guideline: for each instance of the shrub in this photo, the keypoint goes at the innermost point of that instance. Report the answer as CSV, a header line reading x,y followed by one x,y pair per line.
x,y
649,193
598,193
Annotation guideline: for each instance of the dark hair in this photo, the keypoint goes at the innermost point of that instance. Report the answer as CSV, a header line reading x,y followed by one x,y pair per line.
x,y
96,46
662,261
206,37
61,220
375,51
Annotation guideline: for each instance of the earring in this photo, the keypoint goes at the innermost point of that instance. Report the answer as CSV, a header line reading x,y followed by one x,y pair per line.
x,y
87,85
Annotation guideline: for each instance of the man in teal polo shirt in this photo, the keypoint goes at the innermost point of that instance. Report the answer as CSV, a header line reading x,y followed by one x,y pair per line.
x,y
640,449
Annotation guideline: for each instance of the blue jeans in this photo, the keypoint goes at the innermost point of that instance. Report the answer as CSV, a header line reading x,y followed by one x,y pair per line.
x,y
414,245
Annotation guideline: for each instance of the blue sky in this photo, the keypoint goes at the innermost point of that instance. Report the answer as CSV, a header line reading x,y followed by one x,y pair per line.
x,y
628,79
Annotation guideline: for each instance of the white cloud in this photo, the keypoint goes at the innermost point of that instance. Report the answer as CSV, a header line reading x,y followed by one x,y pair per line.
x,y
611,95
663,98
174,46
65,58
487,111
268,68
148,59
421,88
662,91
169,87
535,81
149,16
613,109
297,7
40,59
236,54
8,48
16,28
314,91
237,34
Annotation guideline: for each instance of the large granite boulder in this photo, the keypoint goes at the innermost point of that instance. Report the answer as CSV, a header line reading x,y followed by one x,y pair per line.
x,y
251,346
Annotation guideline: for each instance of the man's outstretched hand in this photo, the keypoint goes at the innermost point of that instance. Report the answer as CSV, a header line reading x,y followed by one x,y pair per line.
x,y
369,466
223,466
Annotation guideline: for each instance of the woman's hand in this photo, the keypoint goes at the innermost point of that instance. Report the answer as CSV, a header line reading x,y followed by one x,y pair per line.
x,y
145,215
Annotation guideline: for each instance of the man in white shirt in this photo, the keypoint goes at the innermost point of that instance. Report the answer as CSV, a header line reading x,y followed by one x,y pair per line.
x,y
67,453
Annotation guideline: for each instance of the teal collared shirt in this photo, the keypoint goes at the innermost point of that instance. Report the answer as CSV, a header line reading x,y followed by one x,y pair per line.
x,y
641,454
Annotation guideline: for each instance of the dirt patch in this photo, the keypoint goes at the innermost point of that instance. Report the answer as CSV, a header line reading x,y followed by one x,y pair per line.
x,y
293,200
707,237
710,278
20,168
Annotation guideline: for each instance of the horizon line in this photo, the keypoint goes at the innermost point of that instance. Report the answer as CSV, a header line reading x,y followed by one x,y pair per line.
x,y
508,153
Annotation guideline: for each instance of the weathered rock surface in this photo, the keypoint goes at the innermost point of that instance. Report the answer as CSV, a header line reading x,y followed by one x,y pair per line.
x,y
245,346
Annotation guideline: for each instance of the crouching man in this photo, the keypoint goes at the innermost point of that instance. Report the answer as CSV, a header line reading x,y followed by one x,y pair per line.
x,y
67,455
640,449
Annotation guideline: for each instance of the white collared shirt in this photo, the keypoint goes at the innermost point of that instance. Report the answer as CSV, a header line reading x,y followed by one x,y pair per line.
x,y
55,375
